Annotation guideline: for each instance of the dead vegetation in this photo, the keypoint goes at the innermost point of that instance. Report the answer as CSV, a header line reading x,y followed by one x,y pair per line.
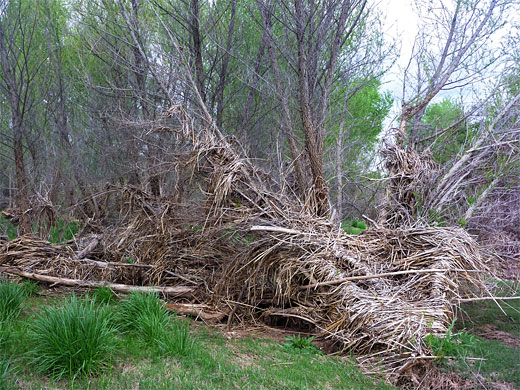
x,y
246,250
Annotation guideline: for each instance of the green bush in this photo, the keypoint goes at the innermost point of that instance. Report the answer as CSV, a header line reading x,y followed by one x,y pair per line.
x,y
72,340
145,314
12,296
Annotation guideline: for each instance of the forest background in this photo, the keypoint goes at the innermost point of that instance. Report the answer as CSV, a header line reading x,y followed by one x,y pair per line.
x,y
305,89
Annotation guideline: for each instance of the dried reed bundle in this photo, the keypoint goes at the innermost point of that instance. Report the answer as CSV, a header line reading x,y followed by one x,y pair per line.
x,y
245,248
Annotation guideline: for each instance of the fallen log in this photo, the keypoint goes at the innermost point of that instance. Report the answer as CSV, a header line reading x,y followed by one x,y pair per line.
x,y
125,288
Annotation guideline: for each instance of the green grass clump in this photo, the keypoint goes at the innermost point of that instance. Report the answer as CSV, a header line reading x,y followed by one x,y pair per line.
x,y
6,374
12,296
145,314
103,295
30,287
72,340
301,343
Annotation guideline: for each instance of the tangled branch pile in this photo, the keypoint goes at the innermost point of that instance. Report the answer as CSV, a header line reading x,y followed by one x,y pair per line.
x,y
251,251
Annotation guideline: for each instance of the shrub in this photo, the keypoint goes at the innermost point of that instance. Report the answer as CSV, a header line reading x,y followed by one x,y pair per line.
x,y
12,296
145,314
72,340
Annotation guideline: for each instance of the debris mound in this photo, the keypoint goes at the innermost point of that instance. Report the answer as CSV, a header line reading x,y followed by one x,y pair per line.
x,y
247,249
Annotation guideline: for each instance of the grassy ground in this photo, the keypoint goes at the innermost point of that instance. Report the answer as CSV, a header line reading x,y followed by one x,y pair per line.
x,y
495,333
488,333
214,363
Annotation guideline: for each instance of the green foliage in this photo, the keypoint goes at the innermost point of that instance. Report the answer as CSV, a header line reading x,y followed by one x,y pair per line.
x,y
145,314
103,295
8,229
450,345
12,297
177,341
30,287
6,374
72,340
353,226
439,116
63,231
5,334
301,343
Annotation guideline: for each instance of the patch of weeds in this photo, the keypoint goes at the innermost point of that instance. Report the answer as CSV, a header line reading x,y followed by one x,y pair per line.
x,y
72,340
353,226
103,295
301,343
63,231
145,314
177,340
12,296
450,345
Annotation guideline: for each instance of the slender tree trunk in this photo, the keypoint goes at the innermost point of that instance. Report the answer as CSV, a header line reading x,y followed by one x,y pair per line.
x,y
197,48
287,127
313,140
223,70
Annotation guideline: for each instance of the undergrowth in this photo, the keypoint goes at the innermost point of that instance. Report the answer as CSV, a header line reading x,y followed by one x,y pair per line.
x,y
145,314
103,295
75,339
6,374
12,296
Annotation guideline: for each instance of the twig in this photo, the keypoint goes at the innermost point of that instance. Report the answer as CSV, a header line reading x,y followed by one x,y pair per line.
x,y
383,275
487,299
275,229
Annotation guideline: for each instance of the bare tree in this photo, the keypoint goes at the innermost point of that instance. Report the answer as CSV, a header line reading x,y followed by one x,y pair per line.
x,y
21,61
418,188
